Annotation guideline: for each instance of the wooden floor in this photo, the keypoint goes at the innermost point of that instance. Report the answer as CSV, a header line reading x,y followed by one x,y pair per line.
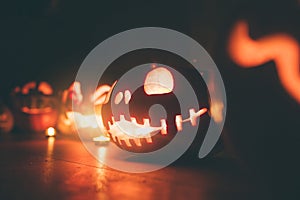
x,y
35,167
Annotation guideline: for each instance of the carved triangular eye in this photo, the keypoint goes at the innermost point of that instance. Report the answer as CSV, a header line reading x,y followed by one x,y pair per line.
x,y
28,86
159,81
45,88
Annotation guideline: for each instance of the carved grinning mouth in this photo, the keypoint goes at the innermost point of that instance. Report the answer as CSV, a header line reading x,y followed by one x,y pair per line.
x,y
33,111
131,131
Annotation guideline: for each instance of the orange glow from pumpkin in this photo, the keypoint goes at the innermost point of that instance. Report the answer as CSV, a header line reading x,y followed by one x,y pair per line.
x,y
101,139
34,111
29,86
84,121
45,88
281,48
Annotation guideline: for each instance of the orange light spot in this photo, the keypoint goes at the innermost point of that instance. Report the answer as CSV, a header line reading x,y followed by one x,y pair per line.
x,y
50,132
281,48
101,138
45,88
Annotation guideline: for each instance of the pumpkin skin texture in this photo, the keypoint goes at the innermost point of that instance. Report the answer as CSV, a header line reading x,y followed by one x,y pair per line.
x,y
35,107
6,119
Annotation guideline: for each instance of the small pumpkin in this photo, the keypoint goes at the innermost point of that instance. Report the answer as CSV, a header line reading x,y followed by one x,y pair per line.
x,y
65,123
35,106
72,107
6,119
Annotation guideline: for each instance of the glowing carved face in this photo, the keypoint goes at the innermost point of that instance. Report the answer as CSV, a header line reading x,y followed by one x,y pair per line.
x,y
140,132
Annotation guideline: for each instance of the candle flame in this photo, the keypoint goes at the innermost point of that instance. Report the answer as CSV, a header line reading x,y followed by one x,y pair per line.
x,y
50,132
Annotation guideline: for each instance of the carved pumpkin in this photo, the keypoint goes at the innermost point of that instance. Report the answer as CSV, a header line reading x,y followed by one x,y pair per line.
x,y
35,106
85,121
65,123
154,114
6,119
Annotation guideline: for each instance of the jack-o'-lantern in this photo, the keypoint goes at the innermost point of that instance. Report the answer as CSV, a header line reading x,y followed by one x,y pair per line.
x,y
74,116
147,117
35,106
6,119
65,123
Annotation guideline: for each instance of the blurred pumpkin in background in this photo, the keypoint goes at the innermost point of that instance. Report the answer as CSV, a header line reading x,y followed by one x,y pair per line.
x,y
35,106
75,115
66,124
6,119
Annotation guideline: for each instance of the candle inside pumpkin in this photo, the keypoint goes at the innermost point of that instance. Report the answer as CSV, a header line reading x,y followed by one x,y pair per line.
x,y
101,140
50,132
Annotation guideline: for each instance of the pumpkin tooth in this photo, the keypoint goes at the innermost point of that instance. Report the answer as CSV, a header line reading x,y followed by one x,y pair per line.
x,y
109,125
178,121
137,141
114,138
193,117
127,142
149,139
119,140
122,117
113,119
163,127
133,120
146,122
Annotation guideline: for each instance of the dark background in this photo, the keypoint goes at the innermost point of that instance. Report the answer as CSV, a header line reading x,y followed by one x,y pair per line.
x,y
48,40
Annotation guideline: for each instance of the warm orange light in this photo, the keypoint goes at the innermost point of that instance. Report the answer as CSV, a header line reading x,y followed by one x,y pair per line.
x,y
164,127
178,121
85,121
101,140
50,132
281,48
159,81
45,88
28,86
216,110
